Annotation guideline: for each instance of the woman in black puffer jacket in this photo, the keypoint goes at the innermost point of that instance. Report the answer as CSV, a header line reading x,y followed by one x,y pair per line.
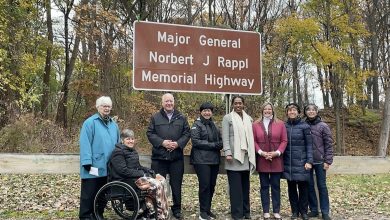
x,y
205,157
124,164
298,160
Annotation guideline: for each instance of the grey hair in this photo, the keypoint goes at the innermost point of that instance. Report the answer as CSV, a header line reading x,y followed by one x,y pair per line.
x,y
311,105
103,100
165,95
127,133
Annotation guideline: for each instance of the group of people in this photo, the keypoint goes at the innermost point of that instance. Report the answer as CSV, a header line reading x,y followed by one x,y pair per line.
x,y
296,150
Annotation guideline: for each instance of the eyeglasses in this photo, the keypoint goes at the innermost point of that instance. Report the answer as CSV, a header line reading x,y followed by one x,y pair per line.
x,y
106,106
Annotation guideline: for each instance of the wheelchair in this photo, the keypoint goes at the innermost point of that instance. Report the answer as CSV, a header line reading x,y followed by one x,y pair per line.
x,y
122,201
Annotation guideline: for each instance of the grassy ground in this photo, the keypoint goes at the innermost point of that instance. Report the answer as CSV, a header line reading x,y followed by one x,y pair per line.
x,y
57,197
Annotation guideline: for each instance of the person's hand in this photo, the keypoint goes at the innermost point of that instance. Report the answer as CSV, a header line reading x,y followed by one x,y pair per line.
x,y
229,158
307,166
166,143
169,145
273,154
267,155
326,166
174,145
152,172
87,167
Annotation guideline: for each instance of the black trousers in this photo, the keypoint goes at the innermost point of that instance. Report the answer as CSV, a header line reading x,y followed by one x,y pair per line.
x,y
175,169
89,189
299,201
207,178
239,193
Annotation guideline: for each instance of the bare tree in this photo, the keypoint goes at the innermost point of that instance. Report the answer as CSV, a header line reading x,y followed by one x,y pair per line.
x,y
372,24
385,69
70,59
46,75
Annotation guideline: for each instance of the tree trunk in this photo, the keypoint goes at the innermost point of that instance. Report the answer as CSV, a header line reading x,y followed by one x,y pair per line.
x,y
385,127
271,87
9,97
189,12
46,75
306,92
296,84
62,108
373,87
210,13
322,86
374,68
337,97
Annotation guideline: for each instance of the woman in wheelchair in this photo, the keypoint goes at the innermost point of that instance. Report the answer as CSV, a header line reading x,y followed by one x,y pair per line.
x,y
124,166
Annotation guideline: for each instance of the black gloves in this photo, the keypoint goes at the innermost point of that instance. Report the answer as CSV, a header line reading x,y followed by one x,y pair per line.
x,y
87,167
150,173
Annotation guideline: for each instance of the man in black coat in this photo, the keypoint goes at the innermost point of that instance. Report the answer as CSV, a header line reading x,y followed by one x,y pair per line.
x,y
169,133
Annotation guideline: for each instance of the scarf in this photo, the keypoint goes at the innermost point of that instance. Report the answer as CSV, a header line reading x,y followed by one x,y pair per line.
x,y
211,129
243,139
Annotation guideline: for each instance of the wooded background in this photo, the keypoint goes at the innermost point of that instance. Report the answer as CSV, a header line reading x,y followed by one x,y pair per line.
x,y
58,56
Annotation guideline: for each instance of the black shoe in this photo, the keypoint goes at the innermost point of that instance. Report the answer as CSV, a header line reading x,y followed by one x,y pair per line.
x,y
212,215
178,215
312,214
294,216
247,216
204,216
98,216
326,217
305,216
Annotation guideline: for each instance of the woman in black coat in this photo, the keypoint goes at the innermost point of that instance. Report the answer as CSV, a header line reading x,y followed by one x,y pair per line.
x,y
298,160
124,163
205,157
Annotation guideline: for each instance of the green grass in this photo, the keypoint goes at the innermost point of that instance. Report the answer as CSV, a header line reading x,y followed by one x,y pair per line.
x,y
39,214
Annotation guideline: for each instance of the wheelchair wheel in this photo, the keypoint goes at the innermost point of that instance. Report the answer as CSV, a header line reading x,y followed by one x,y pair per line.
x,y
118,200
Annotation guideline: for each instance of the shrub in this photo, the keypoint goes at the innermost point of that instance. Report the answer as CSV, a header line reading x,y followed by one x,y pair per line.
x,y
35,135
356,116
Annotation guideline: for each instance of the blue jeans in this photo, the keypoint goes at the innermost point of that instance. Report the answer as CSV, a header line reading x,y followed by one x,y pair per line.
x,y
320,173
267,180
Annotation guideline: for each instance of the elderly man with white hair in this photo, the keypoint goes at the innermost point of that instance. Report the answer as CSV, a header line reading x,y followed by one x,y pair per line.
x,y
98,137
169,132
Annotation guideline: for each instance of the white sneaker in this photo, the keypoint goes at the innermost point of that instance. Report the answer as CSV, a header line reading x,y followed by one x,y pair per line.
x,y
277,216
267,216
